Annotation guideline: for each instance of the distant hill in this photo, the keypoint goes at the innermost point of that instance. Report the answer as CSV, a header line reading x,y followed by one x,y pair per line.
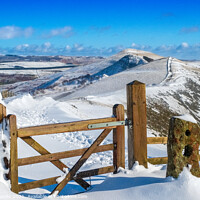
x,y
83,60
173,86
76,78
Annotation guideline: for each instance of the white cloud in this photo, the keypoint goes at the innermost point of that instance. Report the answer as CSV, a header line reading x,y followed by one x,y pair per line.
x,y
165,48
78,47
182,51
140,47
184,45
28,31
9,32
47,44
133,45
66,31
22,47
48,49
67,47
192,29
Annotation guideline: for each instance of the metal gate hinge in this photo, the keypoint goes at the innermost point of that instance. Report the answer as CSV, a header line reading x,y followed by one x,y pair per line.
x,y
129,123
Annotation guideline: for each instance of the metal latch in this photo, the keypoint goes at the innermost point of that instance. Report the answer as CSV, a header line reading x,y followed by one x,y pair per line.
x,y
106,124
110,124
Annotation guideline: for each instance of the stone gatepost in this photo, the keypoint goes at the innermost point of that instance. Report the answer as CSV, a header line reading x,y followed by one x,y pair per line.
x,y
183,147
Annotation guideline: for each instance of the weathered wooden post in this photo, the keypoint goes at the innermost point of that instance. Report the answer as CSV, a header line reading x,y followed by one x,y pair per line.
x,y
2,112
183,147
137,133
13,154
119,139
4,139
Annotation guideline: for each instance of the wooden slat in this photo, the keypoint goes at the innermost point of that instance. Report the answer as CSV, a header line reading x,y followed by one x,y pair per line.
x,y
81,161
52,181
95,172
40,149
13,153
119,139
81,182
156,140
37,184
137,134
61,155
158,160
62,127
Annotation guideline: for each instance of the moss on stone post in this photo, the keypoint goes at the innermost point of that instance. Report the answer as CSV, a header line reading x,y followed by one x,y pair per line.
x,y
183,147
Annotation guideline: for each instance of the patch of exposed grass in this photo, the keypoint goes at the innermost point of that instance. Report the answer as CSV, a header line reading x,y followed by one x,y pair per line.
x,y
159,113
192,93
13,78
158,116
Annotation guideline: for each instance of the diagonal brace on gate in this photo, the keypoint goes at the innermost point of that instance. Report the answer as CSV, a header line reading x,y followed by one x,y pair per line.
x,y
80,162
40,149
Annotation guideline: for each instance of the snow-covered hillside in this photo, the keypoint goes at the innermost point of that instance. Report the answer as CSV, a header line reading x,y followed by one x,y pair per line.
x,y
172,85
78,77
90,91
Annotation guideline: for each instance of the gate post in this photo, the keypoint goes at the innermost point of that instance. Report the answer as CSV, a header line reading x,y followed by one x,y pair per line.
x,y
137,132
119,139
13,154
5,140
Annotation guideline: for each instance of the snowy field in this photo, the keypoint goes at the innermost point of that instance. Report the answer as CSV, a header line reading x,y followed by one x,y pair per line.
x,y
96,100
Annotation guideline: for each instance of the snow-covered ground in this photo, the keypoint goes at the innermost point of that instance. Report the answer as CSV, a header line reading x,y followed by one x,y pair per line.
x,y
164,77
31,112
31,64
24,68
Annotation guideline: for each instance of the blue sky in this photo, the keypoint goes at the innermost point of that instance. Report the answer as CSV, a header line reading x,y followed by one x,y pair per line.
x,y
100,27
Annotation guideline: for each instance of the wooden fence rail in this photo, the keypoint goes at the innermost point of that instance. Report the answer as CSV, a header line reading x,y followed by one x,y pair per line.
x,y
157,140
61,155
62,127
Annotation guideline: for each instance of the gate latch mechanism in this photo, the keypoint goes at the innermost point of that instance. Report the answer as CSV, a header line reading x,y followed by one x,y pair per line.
x,y
110,124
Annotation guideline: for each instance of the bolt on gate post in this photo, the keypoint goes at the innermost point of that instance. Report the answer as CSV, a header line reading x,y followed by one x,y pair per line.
x,y
137,132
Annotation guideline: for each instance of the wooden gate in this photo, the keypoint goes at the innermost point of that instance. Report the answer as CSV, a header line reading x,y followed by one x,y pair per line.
x,y
108,124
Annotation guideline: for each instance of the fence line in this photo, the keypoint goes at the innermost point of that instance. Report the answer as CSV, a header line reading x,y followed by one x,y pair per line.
x,y
137,142
157,140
